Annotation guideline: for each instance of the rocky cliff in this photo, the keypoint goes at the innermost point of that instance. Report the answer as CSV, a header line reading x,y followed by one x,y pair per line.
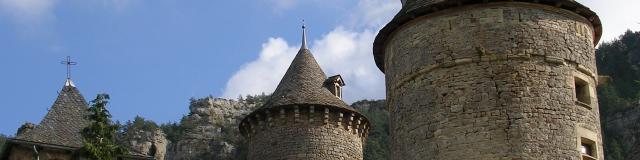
x,y
146,142
210,130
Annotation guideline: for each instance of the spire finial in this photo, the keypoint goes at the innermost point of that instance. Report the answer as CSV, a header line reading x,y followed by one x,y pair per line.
x,y
69,63
304,36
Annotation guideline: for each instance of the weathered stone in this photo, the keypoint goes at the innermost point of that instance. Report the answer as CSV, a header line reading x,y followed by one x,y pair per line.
x,y
528,92
149,143
212,131
301,96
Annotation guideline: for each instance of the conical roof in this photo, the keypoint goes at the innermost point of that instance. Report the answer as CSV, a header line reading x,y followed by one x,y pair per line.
x,y
303,83
64,121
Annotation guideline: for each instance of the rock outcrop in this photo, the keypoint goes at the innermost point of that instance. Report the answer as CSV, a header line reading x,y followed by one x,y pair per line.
x,y
145,142
211,130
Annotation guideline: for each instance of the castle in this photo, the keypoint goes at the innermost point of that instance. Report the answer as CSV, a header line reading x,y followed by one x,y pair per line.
x,y
490,79
465,79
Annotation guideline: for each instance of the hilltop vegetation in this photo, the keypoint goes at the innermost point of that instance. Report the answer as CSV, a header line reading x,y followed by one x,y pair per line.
x,y
3,140
619,112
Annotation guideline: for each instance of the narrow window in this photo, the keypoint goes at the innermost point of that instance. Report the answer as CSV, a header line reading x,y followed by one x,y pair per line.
x,y
338,89
583,93
587,149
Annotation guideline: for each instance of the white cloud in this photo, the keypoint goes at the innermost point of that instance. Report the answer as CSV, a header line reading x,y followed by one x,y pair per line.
x,y
344,51
29,13
283,4
263,74
340,51
349,54
373,13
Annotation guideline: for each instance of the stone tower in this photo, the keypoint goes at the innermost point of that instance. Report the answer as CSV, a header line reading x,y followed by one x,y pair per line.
x,y
492,79
304,119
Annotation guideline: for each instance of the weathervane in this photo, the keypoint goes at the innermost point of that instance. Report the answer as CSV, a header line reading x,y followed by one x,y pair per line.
x,y
69,63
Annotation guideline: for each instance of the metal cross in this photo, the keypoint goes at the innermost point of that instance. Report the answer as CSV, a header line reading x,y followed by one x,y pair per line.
x,y
69,63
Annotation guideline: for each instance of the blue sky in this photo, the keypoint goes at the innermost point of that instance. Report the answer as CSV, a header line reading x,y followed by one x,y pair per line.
x,y
153,55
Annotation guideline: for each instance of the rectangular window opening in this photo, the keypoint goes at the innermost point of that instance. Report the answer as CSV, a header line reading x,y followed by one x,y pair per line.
x,y
583,93
587,149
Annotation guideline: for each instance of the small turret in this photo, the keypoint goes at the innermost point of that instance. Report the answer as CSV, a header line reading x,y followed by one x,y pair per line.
x,y
305,120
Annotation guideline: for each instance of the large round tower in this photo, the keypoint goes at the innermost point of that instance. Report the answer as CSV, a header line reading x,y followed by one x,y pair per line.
x,y
305,118
492,79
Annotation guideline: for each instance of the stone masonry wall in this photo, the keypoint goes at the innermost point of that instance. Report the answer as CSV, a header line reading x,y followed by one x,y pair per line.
x,y
304,134
492,81
26,153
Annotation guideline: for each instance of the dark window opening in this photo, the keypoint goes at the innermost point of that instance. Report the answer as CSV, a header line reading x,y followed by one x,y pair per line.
x,y
583,93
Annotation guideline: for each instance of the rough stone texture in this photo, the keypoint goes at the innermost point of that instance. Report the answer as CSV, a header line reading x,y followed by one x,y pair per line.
x,y
148,143
25,153
491,81
212,130
420,8
304,120
300,133
303,83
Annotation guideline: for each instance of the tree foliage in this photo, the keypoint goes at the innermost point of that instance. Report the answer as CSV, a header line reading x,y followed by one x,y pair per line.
x,y
258,100
99,136
377,146
619,59
3,141
139,124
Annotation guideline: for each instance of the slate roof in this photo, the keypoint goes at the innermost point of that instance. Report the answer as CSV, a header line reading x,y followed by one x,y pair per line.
x,y
303,83
64,121
416,8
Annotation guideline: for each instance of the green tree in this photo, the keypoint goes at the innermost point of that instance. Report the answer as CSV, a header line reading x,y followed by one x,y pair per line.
x,y
3,141
619,59
258,100
173,131
140,124
100,135
615,151
377,146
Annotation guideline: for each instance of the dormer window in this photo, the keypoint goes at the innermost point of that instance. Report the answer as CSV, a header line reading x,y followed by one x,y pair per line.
x,y
334,84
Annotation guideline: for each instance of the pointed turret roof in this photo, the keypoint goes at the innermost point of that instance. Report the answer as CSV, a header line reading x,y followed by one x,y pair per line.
x,y
303,83
64,121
